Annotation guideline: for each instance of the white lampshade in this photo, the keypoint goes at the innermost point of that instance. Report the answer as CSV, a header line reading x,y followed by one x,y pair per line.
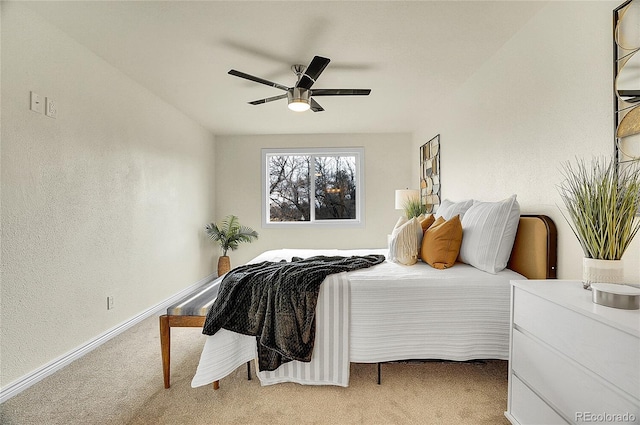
x,y
402,195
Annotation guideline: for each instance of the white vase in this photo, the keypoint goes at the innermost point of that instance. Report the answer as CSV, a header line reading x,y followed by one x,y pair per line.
x,y
603,271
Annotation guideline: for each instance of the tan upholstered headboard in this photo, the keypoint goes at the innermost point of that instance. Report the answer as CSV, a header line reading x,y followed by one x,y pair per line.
x,y
534,253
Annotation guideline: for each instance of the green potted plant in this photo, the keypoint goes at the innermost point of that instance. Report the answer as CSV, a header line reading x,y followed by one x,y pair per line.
x,y
413,207
602,203
229,235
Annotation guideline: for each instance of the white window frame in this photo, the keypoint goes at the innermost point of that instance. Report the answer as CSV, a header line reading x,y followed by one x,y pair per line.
x,y
358,152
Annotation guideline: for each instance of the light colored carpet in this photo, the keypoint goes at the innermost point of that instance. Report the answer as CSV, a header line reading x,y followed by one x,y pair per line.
x,y
121,383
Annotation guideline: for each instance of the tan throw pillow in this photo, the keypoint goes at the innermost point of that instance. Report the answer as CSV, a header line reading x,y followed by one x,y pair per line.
x,y
426,222
441,243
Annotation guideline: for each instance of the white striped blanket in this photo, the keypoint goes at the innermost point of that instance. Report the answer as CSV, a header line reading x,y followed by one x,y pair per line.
x,y
225,351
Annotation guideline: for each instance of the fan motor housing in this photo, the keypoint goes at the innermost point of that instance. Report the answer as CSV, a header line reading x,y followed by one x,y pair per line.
x,y
296,94
298,99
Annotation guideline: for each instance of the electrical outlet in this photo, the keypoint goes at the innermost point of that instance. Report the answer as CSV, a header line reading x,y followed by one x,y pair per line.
x,y
36,103
51,109
109,303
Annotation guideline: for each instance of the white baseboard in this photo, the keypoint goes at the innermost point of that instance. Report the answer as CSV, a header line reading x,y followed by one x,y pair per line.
x,y
21,384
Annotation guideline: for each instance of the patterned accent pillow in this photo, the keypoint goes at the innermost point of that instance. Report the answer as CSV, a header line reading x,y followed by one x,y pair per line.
x,y
489,232
405,242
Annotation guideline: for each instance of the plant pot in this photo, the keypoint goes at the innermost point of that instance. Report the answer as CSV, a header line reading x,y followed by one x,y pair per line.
x,y
602,271
224,264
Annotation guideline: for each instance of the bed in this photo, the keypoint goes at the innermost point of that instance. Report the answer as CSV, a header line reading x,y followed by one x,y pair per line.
x,y
395,312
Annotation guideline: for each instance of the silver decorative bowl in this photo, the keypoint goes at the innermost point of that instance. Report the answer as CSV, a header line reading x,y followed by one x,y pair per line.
x,y
616,295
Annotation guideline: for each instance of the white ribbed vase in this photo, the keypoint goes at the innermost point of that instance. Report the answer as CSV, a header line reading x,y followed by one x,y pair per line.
x,y
603,271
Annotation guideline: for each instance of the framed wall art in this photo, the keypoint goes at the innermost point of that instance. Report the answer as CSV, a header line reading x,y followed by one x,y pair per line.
x,y
430,186
626,82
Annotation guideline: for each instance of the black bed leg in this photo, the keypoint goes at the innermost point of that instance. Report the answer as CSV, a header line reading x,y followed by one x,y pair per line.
x,y
249,371
379,374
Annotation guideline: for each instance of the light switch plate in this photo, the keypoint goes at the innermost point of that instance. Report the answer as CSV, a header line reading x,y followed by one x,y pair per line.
x,y
51,109
36,103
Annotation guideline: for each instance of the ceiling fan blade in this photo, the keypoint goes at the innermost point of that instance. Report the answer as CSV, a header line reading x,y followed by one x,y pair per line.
x,y
313,71
268,99
257,80
340,92
315,106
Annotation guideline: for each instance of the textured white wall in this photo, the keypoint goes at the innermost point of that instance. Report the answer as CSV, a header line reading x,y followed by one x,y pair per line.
x,y
110,198
238,189
543,99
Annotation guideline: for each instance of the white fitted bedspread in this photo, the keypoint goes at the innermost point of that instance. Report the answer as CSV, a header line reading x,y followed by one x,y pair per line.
x,y
382,313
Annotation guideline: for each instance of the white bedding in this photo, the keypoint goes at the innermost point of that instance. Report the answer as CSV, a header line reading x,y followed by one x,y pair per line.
x,y
383,313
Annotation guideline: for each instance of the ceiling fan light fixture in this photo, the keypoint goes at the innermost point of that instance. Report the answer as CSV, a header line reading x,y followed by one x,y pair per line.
x,y
299,96
298,99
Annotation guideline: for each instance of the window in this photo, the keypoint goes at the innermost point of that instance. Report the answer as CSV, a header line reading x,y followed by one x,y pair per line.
x,y
312,186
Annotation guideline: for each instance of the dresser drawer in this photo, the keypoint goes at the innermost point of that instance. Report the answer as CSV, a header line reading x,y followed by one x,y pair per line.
x,y
600,348
569,387
527,408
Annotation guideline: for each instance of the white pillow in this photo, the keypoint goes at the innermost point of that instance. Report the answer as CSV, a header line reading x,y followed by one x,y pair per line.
x,y
405,242
448,209
401,220
488,232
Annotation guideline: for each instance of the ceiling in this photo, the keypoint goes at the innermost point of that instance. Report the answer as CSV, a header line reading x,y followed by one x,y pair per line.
x,y
412,55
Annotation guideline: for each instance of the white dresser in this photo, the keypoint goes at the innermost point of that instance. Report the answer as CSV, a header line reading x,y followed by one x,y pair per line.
x,y
571,361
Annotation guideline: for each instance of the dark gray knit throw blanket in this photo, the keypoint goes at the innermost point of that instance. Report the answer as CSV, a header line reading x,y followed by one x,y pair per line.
x,y
276,303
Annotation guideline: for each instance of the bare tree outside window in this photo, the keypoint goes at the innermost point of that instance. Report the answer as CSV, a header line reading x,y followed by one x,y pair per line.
x,y
313,186
335,178
289,188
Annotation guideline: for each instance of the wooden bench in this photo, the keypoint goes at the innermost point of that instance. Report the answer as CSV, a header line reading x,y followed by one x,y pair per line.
x,y
190,311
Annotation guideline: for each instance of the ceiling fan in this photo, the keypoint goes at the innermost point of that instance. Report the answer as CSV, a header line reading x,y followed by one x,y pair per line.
x,y
300,95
